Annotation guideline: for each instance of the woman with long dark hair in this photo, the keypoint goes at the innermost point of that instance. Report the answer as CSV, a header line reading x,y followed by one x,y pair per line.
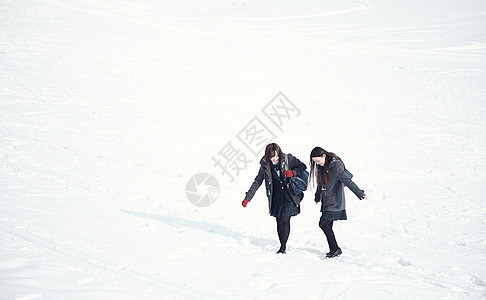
x,y
276,168
328,170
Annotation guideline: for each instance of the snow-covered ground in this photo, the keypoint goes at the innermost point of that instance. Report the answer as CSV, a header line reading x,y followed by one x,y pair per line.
x,y
108,108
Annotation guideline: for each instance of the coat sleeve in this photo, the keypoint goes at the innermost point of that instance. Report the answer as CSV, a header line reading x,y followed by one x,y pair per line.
x,y
343,177
255,185
317,197
296,166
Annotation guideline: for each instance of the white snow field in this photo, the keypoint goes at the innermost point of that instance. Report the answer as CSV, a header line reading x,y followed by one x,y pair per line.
x,y
108,108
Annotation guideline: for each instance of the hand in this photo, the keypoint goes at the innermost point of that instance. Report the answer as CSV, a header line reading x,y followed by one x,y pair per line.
x,y
289,173
364,198
244,203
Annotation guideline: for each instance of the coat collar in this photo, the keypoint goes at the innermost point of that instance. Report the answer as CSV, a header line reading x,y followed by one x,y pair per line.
x,y
333,163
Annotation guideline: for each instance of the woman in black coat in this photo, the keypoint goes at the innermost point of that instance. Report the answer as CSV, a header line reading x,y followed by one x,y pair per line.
x,y
275,168
331,176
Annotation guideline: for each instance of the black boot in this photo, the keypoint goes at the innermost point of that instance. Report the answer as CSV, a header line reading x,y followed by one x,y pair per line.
x,y
334,253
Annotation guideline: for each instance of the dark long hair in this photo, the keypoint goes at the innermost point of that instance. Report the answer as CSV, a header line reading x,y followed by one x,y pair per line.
x,y
318,172
270,151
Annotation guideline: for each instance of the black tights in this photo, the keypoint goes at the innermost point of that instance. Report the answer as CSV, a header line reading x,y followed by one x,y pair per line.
x,y
283,230
326,226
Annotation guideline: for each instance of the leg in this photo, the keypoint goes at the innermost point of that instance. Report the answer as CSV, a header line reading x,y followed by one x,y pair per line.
x,y
283,230
326,226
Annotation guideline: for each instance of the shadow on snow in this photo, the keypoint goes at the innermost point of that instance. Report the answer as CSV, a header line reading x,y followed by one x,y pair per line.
x,y
207,227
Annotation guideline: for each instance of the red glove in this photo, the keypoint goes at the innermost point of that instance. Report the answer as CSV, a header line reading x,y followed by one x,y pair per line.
x,y
288,173
244,203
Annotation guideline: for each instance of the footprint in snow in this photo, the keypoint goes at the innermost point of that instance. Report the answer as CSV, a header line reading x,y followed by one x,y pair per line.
x,y
478,281
404,262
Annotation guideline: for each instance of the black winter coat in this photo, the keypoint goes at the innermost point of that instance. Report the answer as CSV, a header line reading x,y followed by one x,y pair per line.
x,y
332,195
264,173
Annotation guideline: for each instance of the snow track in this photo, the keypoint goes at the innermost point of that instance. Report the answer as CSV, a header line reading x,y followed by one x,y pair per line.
x,y
77,258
